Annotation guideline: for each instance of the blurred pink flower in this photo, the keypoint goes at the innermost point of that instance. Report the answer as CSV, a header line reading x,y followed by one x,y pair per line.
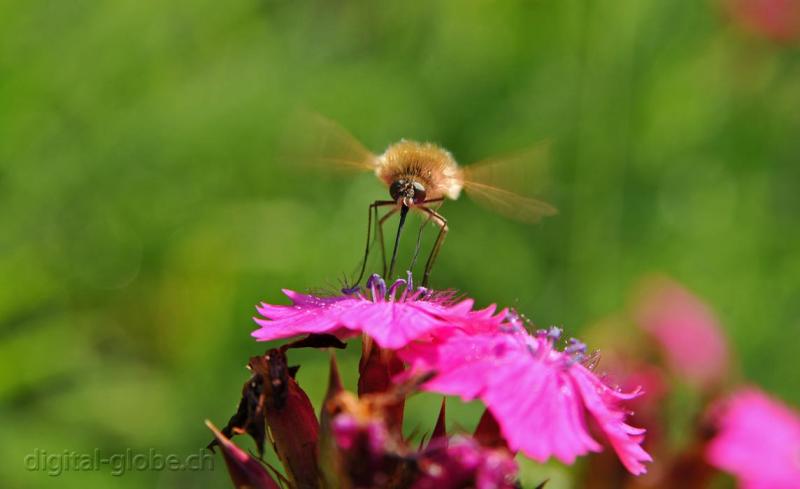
x,y
371,458
538,394
758,440
462,462
350,434
686,329
369,454
778,20
391,317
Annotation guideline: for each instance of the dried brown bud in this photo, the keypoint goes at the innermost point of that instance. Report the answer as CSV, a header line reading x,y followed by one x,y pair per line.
x,y
272,398
293,426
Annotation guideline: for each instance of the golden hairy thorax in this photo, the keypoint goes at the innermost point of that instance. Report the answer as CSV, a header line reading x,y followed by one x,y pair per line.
x,y
432,166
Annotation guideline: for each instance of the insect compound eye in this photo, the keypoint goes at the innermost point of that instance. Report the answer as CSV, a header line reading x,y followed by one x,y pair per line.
x,y
397,189
419,193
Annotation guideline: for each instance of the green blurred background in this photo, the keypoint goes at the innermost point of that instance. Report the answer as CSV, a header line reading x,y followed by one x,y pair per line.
x,y
145,212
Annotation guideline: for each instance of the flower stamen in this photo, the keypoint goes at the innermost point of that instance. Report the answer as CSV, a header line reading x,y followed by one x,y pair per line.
x,y
377,286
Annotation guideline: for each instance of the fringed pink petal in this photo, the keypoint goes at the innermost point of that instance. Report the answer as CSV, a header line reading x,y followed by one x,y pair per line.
x,y
538,395
391,318
599,401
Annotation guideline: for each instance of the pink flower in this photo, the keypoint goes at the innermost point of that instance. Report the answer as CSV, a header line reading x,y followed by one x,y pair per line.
x,y
371,458
391,317
538,394
369,455
687,330
758,441
462,462
778,20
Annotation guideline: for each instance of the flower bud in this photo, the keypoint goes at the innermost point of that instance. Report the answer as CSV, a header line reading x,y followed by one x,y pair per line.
x,y
245,471
376,369
291,420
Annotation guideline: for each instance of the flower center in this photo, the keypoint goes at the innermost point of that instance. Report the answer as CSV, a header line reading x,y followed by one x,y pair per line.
x,y
377,291
574,351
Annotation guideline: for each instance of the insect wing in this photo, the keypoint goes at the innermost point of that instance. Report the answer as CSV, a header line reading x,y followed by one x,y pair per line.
x,y
504,184
318,141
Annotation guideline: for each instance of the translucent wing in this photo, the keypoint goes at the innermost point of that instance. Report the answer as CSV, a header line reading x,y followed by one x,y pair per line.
x,y
316,140
509,204
505,184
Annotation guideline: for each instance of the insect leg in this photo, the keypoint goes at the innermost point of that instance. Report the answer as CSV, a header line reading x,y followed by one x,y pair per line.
x,y
421,229
373,209
380,236
419,242
442,223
